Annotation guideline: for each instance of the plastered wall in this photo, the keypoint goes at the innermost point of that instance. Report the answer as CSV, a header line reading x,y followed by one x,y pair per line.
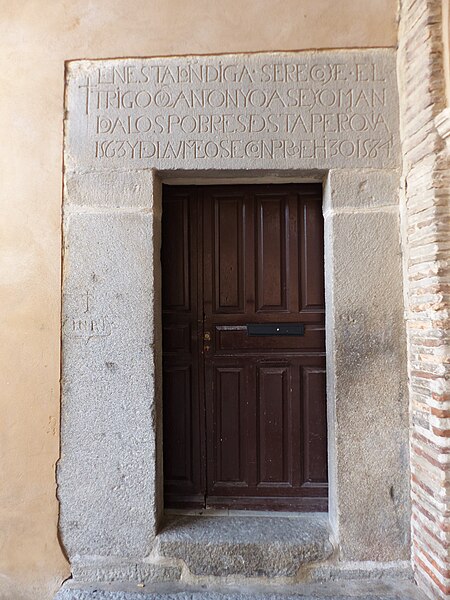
x,y
36,37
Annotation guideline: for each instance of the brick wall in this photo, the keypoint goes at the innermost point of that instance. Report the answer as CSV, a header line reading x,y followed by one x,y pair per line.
x,y
427,272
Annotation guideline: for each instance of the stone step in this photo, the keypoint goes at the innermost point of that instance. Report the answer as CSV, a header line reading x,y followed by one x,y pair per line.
x,y
248,546
350,590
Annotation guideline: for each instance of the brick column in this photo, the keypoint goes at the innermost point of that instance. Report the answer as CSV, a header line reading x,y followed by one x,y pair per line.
x,y
427,271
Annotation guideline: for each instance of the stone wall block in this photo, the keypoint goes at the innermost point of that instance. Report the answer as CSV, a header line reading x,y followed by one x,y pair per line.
x,y
362,188
371,465
106,475
117,189
234,112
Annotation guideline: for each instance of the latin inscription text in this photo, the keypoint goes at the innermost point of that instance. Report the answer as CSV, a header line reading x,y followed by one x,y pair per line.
x,y
184,109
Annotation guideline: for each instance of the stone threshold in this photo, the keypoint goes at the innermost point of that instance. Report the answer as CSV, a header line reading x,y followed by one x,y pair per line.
x,y
240,549
245,545
387,589
231,512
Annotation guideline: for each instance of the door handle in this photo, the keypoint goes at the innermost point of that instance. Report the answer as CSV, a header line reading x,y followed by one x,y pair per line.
x,y
206,342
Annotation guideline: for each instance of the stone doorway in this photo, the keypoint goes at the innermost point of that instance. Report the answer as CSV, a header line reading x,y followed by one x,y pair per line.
x,y
323,117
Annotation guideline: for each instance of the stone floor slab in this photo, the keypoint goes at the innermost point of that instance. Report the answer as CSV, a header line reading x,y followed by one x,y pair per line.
x,y
349,590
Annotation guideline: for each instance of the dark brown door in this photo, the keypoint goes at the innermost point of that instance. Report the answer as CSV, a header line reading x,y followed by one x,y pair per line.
x,y
244,347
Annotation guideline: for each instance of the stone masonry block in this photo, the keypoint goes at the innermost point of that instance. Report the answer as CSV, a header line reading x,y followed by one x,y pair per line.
x,y
314,110
362,189
106,474
368,385
112,190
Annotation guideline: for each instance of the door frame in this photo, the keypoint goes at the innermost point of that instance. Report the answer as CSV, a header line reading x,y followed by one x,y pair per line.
x,y
352,379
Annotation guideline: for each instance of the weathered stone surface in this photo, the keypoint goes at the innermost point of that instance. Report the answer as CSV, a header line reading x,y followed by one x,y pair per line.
x,y
366,366
248,546
139,573
104,595
362,189
111,190
106,474
382,590
278,111
368,571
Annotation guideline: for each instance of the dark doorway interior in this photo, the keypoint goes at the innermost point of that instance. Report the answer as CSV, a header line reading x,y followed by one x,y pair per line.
x,y
244,347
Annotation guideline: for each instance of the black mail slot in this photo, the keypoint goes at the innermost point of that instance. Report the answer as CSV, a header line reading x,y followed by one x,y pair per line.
x,y
275,329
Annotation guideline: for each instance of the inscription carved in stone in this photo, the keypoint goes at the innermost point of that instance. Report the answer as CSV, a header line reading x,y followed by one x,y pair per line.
x,y
85,325
247,111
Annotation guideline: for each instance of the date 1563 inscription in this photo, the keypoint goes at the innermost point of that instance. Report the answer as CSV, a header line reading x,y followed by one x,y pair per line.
x,y
237,108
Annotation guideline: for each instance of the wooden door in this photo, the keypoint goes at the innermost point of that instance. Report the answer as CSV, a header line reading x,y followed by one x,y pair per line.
x,y
244,347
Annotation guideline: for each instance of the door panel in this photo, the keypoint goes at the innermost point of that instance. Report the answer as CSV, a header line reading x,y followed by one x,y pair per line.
x,y
178,294
229,453
273,419
228,277
311,250
179,463
254,254
183,408
272,246
314,449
